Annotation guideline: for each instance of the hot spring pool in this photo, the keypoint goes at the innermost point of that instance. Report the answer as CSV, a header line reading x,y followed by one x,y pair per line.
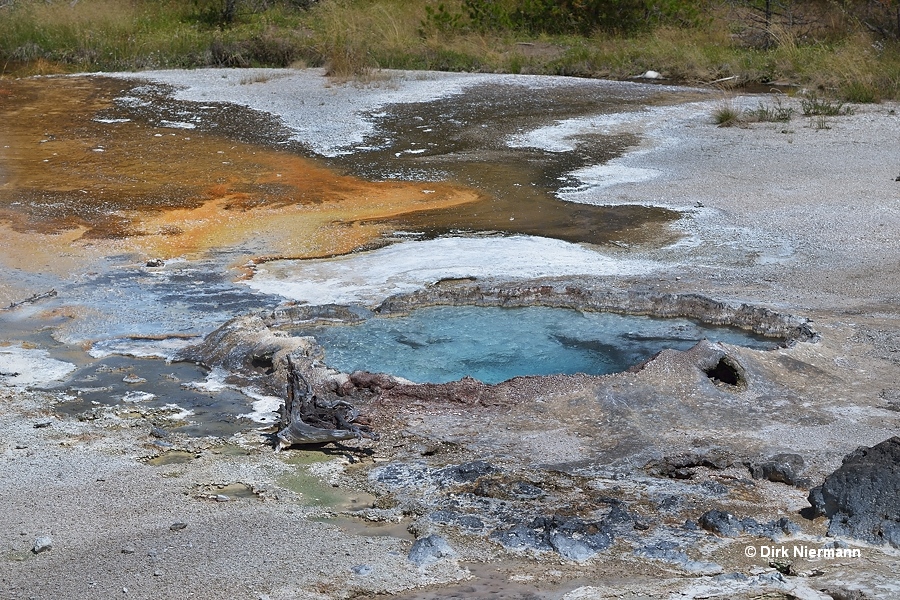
x,y
445,343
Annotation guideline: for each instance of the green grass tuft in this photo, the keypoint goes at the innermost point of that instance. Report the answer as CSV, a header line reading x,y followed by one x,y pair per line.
x,y
776,113
812,105
726,115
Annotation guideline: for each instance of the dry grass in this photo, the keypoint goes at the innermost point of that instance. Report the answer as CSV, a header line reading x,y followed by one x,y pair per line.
x,y
727,115
356,38
353,40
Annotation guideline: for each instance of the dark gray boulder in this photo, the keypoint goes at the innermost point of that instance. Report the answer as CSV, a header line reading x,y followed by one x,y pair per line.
x,y
721,523
862,497
783,468
725,524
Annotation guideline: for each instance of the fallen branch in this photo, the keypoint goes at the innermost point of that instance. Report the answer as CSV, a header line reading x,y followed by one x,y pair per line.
x,y
308,420
30,300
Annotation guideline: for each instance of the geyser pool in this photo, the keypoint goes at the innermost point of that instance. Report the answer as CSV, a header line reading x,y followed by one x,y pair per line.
x,y
444,343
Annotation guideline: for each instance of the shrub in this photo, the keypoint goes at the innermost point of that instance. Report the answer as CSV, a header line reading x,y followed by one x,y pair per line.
x,y
580,17
812,105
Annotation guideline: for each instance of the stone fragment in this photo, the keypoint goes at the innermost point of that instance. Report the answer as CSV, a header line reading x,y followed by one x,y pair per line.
x,y
721,523
673,553
571,548
449,517
682,466
158,432
861,496
782,468
571,537
428,550
42,544
468,472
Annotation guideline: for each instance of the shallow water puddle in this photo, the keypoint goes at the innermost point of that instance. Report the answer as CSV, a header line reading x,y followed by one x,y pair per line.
x,y
306,481
172,457
444,343
176,396
466,139
508,579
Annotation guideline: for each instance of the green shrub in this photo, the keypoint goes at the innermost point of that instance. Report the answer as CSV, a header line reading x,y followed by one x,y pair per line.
x,y
560,17
812,105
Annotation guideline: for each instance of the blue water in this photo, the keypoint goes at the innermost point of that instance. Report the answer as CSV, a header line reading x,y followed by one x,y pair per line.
x,y
446,343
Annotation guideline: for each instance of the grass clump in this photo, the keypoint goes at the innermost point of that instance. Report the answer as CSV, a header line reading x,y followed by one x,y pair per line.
x,y
727,115
813,105
776,113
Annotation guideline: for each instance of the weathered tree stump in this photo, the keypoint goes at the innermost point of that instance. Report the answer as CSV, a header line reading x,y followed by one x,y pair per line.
x,y
306,419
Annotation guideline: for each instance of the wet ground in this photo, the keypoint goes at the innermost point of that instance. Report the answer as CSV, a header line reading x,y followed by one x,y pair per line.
x,y
156,206
115,194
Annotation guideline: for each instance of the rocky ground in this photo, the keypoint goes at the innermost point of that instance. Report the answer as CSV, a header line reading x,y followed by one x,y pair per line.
x,y
687,477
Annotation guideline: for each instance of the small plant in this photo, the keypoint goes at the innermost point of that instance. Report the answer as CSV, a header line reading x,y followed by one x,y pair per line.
x,y
777,113
820,122
812,106
726,115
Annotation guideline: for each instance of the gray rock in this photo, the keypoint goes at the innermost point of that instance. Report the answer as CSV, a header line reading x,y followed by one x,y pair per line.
x,y
846,594
158,432
571,537
449,517
520,537
783,468
571,548
861,496
672,553
682,466
468,472
774,530
725,524
361,570
428,550
721,523
42,544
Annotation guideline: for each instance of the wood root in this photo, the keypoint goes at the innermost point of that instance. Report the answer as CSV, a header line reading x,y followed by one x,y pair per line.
x,y
30,300
306,419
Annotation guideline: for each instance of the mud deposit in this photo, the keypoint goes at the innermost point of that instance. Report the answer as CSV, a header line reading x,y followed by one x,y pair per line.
x,y
170,239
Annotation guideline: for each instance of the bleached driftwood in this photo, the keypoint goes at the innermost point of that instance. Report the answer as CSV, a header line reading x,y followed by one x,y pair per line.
x,y
30,300
308,420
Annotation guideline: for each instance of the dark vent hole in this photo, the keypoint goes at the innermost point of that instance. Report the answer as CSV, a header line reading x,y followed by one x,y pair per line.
x,y
263,363
725,373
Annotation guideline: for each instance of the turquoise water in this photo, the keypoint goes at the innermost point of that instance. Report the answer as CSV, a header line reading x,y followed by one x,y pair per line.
x,y
445,343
